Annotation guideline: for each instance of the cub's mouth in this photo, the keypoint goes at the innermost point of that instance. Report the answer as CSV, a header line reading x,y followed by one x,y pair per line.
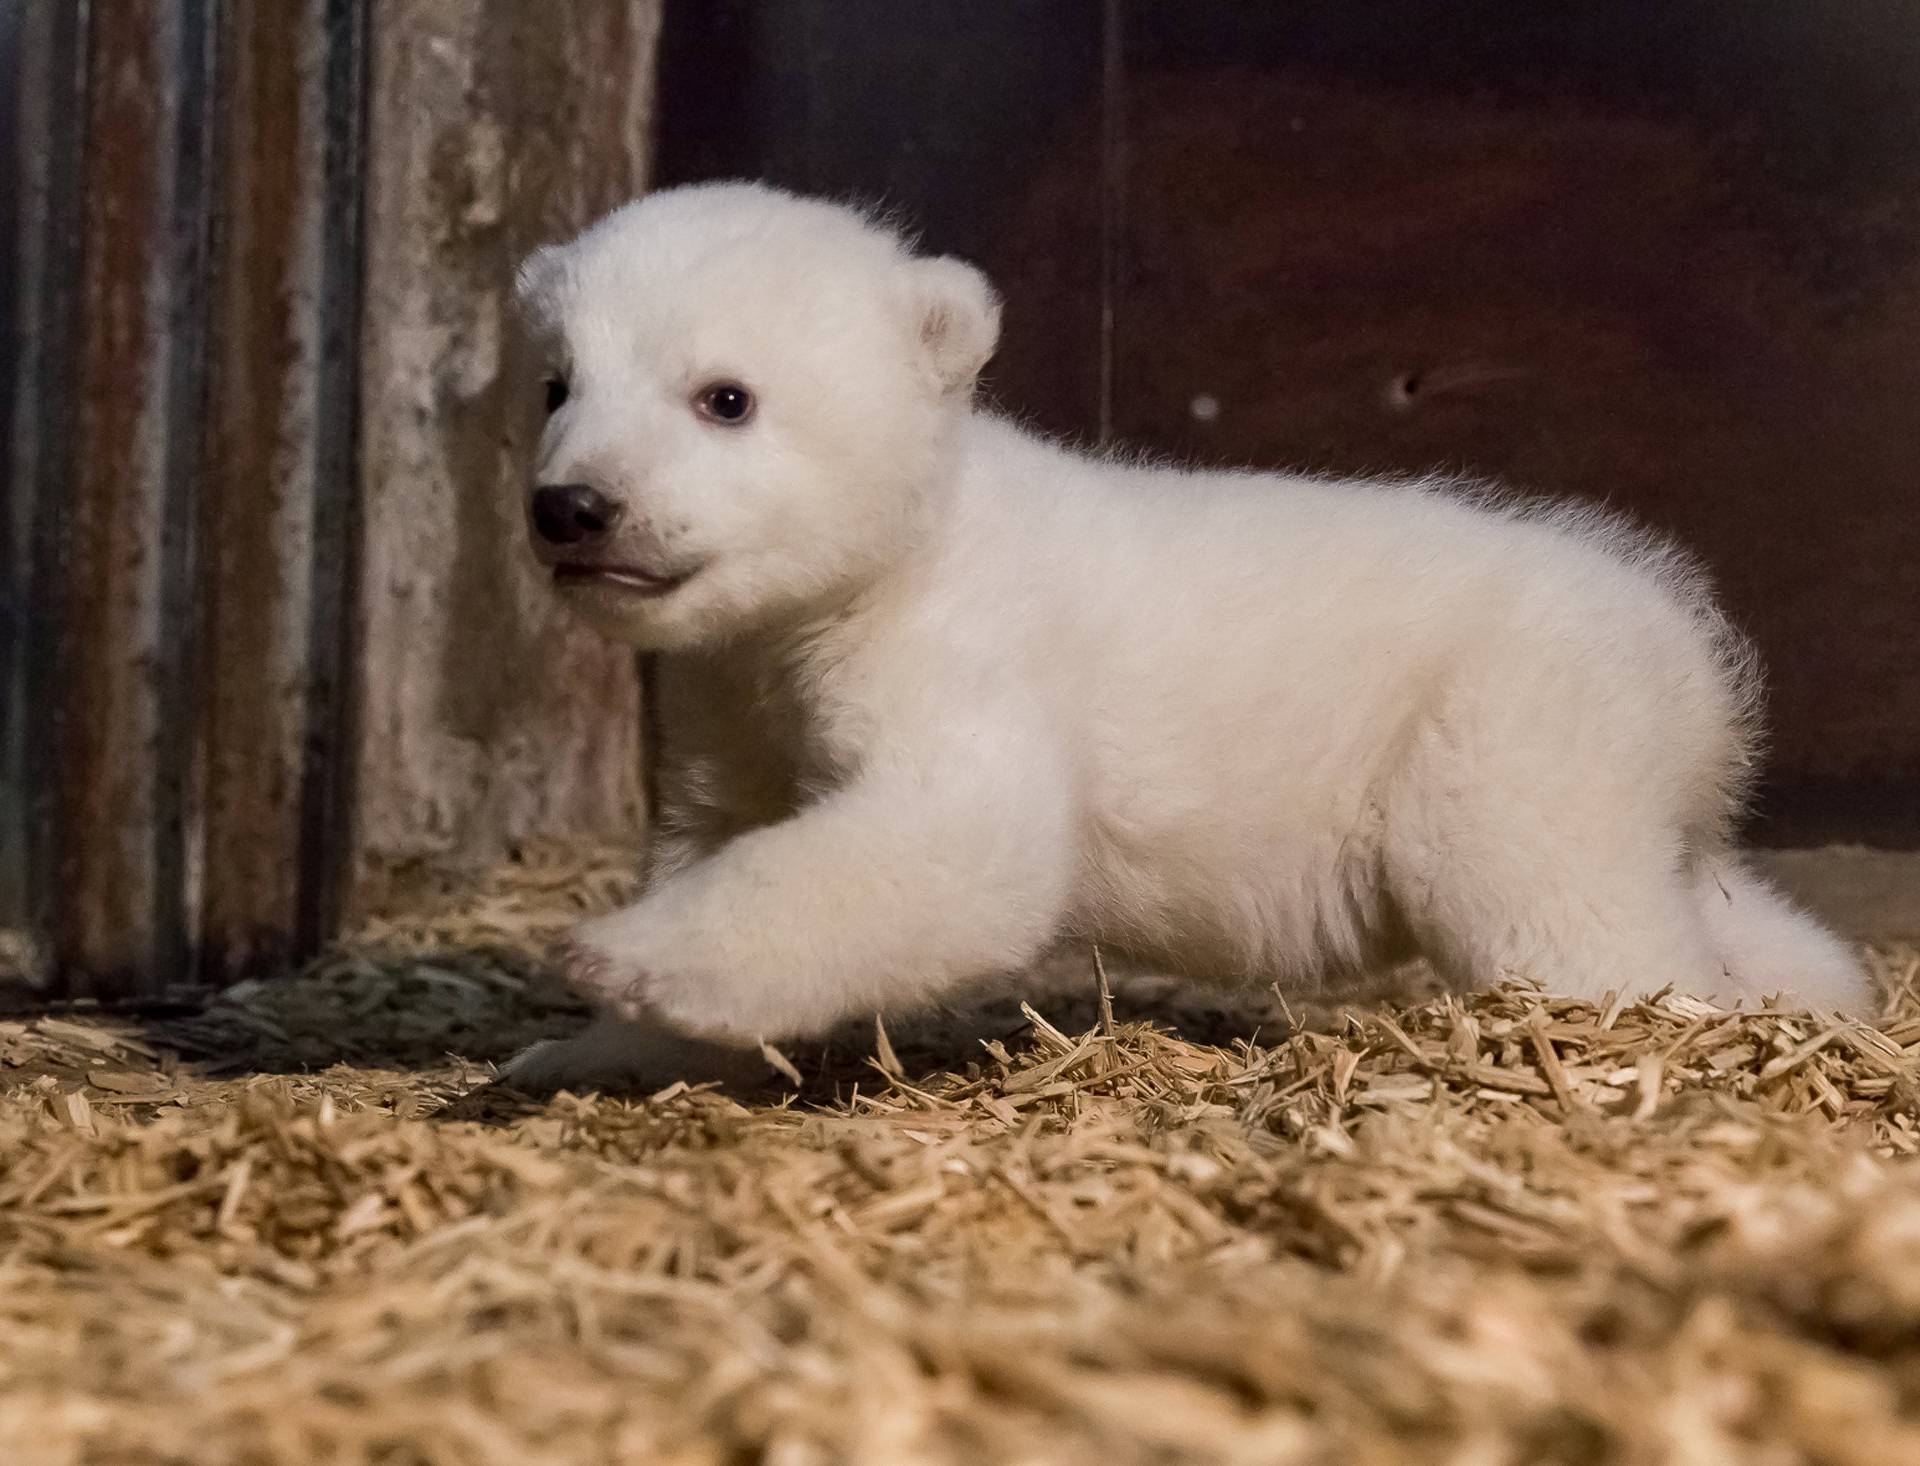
x,y
628,580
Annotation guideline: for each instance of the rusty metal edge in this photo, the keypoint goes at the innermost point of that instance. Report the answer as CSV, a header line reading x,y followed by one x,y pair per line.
x,y
17,257
49,364
326,836
189,239
245,835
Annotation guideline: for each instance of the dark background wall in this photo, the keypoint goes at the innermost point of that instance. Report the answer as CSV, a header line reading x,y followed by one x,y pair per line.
x,y
1661,255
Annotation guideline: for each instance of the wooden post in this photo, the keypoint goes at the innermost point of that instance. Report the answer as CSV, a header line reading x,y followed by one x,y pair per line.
x,y
275,513
103,441
268,618
485,717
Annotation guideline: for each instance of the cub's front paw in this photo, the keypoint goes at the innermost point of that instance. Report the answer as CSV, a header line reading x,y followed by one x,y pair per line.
x,y
611,964
613,981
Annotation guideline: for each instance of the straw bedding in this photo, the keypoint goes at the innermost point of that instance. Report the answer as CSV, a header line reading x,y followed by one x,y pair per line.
x,y
304,1226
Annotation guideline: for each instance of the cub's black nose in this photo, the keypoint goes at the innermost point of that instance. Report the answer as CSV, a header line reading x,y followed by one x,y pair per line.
x,y
572,514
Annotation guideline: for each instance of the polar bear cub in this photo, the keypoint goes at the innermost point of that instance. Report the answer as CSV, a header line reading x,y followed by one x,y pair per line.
x,y
938,694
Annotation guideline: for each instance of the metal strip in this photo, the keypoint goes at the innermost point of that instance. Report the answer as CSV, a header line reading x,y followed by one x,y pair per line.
x,y
253,497
47,465
326,842
185,390
22,73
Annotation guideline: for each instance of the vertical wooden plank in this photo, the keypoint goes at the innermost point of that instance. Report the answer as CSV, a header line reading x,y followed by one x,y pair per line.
x,y
327,847
44,198
175,844
273,554
26,63
485,717
181,757
103,923
113,910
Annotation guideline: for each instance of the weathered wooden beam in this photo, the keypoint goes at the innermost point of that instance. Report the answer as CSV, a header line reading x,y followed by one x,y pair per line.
x,y
241,652
110,476
45,87
485,717
275,510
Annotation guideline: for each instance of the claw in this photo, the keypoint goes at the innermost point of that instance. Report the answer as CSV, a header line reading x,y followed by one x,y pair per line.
x,y
587,970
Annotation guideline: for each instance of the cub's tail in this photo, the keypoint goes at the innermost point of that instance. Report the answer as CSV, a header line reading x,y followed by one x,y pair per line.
x,y
1768,947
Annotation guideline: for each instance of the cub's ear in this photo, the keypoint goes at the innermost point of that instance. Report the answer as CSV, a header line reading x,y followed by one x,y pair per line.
x,y
537,283
959,319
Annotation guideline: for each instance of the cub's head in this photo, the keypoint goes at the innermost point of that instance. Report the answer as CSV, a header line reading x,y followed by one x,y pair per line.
x,y
749,396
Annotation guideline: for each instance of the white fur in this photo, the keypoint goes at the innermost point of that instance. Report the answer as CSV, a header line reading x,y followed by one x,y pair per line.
x,y
941,694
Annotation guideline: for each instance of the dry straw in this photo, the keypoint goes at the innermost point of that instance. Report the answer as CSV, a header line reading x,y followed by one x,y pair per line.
x,y
305,1228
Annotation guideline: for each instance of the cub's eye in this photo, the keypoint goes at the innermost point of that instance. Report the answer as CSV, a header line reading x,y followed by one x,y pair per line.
x,y
724,402
556,393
